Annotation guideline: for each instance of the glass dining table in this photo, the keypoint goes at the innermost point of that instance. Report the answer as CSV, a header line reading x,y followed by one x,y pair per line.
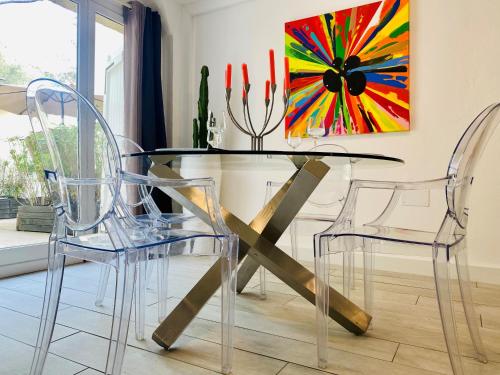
x,y
237,170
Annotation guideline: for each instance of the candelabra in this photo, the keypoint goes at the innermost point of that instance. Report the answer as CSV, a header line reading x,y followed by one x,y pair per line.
x,y
257,136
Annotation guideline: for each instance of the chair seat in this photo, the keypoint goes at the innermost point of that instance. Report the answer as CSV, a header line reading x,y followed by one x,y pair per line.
x,y
315,217
410,236
170,218
141,239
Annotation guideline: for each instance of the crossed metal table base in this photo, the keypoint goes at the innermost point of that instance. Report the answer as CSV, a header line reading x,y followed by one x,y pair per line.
x,y
257,248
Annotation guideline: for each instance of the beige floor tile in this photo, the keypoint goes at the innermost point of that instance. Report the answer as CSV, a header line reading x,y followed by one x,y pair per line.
x,y
188,356
69,297
85,300
141,362
26,285
15,359
98,323
293,369
21,302
86,321
17,281
273,335
35,276
438,361
207,355
205,352
488,286
83,348
90,371
302,353
24,328
277,287
302,330
91,351
480,296
490,316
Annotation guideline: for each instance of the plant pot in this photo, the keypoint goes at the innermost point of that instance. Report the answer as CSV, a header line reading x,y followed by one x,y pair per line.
x,y
35,218
8,207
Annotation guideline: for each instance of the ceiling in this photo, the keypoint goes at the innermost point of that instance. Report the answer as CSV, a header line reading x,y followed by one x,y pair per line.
x,y
197,7
186,2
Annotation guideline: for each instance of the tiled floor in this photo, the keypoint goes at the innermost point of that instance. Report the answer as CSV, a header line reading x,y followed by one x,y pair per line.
x,y
273,336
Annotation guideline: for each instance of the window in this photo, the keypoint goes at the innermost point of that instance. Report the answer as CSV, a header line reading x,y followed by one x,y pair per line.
x,y
108,78
78,42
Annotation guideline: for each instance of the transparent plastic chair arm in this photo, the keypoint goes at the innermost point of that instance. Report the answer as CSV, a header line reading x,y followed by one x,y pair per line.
x,y
207,185
346,216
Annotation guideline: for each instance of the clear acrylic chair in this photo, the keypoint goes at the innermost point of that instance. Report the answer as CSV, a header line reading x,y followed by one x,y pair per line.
x,y
139,202
447,243
85,174
322,207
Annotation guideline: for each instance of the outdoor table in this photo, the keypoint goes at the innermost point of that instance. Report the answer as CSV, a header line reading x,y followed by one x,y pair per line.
x,y
304,170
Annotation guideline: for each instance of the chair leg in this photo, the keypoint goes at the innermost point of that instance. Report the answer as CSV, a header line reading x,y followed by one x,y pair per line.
x,y
353,269
103,284
344,246
229,259
163,264
140,296
322,282
149,271
49,311
468,304
368,263
263,287
125,279
445,302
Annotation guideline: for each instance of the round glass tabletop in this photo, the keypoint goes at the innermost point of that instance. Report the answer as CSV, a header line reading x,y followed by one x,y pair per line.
x,y
246,179
270,158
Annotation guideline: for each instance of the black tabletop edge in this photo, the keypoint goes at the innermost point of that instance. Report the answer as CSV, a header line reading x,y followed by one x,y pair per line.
x,y
218,151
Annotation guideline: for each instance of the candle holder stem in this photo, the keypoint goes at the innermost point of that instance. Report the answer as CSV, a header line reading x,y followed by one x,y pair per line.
x,y
267,117
257,138
231,115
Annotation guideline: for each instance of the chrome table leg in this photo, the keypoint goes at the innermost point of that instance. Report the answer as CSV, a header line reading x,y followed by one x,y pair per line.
x,y
258,241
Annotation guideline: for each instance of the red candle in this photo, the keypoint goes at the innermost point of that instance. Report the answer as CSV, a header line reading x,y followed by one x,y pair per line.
x,y
287,74
268,86
272,66
244,93
244,69
229,74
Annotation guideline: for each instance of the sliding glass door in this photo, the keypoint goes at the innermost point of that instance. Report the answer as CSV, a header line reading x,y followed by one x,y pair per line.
x,y
80,43
108,77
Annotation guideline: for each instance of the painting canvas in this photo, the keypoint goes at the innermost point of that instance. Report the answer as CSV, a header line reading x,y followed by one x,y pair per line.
x,y
350,68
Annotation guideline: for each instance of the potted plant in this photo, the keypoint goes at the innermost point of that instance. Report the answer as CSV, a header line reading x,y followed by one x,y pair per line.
x,y
35,214
30,155
194,166
10,187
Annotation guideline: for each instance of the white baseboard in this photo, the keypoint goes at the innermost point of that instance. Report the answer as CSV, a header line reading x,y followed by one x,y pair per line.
x,y
414,265
423,266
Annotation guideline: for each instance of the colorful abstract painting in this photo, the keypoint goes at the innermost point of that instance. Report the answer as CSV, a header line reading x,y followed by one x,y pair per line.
x,y
351,68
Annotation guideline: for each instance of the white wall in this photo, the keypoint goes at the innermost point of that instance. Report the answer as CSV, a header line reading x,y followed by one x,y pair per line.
x,y
454,65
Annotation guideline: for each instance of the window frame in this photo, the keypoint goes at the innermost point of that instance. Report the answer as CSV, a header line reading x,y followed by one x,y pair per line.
x,y
85,71
28,258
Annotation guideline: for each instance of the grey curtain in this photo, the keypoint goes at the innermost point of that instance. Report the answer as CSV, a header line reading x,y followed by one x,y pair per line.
x,y
144,113
134,39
